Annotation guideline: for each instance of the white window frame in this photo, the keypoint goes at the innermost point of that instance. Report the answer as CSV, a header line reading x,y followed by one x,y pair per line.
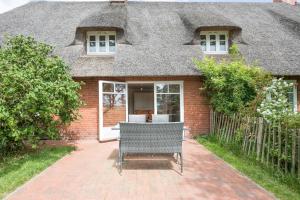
x,y
115,133
181,96
97,35
295,108
217,34
181,83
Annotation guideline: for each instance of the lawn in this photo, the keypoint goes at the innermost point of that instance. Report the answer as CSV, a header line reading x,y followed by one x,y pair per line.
x,y
17,169
282,186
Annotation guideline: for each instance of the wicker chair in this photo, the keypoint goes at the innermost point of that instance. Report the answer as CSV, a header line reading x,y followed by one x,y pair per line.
x,y
160,118
137,118
152,138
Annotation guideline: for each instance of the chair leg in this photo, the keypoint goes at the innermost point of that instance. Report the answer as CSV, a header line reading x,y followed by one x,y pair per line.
x,y
177,158
181,162
121,162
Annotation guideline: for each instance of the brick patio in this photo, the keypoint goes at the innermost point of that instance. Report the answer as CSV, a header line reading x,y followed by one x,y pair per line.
x,y
90,173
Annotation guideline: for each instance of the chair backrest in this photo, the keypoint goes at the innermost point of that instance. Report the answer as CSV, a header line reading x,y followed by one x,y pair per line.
x,y
160,118
137,118
151,137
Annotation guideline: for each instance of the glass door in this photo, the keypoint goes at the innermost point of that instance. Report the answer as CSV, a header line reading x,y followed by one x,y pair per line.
x,y
169,100
112,108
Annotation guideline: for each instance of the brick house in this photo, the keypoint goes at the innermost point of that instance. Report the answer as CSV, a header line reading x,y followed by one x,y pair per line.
x,y
136,57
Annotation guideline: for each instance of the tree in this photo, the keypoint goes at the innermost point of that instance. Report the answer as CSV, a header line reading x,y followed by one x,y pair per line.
x,y
37,93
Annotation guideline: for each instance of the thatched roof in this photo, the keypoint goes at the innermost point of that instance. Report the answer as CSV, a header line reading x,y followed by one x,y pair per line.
x,y
160,39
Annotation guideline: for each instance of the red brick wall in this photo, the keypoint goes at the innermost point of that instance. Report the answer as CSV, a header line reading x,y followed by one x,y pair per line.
x,y
87,126
196,108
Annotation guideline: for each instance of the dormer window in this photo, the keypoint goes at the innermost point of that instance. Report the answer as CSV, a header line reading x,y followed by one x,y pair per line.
x,y
101,42
214,42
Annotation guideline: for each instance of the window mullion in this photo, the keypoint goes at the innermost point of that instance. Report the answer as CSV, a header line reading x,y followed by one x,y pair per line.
x,y
88,44
217,43
107,42
295,103
226,42
208,42
97,42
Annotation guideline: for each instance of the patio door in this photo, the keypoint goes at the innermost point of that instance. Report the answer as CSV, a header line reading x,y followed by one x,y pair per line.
x,y
112,108
168,99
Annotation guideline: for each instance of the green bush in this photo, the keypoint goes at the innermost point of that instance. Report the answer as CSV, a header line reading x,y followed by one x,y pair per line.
x,y
231,84
37,93
275,105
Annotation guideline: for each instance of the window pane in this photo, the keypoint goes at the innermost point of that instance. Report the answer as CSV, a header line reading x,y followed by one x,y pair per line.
x,y
212,46
114,109
102,38
162,88
290,96
202,37
203,45
212,37
120,88
92,47
112,43
174,88
291,100
92,38
222,37
102,46
169,104
222,46
92,43
108,87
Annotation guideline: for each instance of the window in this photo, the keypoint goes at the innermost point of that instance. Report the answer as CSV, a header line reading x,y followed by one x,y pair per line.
x,y
292,95
103,42
214,42
168,100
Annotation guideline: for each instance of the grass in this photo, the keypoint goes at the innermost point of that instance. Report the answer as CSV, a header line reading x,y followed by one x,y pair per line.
x,y
17,169
282,186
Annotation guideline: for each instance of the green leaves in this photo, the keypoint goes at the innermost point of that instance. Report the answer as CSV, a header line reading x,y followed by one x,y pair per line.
x,y
231,84
275,105
37,94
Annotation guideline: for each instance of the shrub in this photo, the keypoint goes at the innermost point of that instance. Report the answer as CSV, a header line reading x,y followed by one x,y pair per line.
x,y
275,106
38,95
231,84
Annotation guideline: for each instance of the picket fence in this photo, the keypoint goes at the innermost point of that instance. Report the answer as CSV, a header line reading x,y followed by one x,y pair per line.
x,y
270,142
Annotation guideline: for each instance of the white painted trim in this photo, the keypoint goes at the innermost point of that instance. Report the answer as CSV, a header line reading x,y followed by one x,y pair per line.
x,y
181,83
101,128
139,82
100,94
181,96
217,34
100,110
97,34
295,97
126,102
295,109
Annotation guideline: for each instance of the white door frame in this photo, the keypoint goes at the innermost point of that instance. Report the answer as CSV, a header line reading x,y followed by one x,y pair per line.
x,y
181,96
100,93
155,100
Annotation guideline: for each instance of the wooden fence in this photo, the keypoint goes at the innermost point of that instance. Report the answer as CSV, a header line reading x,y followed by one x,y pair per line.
x,y
271,143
